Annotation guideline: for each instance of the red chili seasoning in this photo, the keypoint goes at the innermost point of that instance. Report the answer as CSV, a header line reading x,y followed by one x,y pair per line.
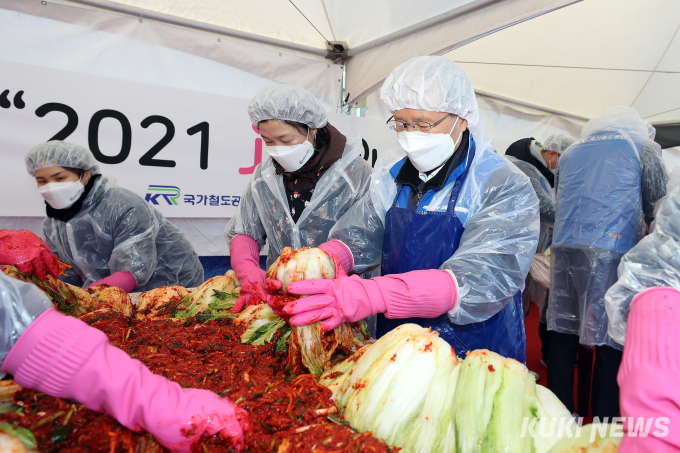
x,y
289,413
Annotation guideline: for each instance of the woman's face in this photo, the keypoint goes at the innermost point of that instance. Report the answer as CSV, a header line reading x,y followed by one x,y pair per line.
x,y
279,133
59,174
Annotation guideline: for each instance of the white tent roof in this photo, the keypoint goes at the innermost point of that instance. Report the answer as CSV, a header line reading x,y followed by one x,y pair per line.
x,y
573,57
585,58
380,34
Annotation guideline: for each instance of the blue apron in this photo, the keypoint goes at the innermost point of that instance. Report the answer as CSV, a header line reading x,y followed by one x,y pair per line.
x,y
416,240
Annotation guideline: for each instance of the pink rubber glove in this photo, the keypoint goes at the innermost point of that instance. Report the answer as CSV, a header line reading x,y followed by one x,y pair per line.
x,y
425,294
648,375
122,279
277,301
245,260
341,252
64,357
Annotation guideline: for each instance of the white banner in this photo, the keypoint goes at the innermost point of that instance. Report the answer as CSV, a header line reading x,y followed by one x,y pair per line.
x,y
190,154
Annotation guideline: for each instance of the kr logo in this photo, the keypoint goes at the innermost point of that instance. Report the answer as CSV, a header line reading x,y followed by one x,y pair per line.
x,y
170,193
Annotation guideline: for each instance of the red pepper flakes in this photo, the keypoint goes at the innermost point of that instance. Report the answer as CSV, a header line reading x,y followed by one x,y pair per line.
x,y
284,410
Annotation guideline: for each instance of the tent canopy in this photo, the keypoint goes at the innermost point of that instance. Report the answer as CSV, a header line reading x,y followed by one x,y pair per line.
x,y
379,34
586,57
574,58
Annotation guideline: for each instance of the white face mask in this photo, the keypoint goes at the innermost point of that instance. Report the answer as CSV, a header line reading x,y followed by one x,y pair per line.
x,y
292,157
553,170
550,163
428,151
62,195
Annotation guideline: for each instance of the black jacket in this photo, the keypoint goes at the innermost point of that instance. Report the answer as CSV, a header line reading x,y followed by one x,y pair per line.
x,y
521,150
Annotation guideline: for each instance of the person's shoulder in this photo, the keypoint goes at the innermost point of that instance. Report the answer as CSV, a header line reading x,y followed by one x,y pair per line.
x,y
650,148
264,168
530,170
494,170
48,224
359,167
122,192
119,198
489,161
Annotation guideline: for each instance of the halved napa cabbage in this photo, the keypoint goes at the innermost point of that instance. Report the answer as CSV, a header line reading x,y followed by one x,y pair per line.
x,y
409,389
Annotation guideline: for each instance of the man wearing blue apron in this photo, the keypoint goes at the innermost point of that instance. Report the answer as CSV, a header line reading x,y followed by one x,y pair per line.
x,y
452,226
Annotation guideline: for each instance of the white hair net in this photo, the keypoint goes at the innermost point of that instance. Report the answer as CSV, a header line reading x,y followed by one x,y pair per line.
x,y
287,103
558,142
56,153
625,119
435,84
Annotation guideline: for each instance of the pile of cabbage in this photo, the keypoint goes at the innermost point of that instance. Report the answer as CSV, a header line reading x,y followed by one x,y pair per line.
x,y
593,438
410,389
308,349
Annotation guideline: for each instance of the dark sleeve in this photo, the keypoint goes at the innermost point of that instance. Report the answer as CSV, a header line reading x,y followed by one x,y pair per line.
x,y
654,177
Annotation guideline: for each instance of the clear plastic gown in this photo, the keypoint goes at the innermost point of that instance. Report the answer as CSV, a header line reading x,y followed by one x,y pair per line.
x,y
116,230
537,293
20,304
499,210
654,262
545,199
264,214
603,185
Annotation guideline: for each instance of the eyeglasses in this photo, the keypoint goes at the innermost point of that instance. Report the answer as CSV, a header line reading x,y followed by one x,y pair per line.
x,y
419,126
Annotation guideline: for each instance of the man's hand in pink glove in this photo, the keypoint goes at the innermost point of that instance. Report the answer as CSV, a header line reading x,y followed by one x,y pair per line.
x,y
425,294
64,357
122,279
245,260
28,253
252,291
278,301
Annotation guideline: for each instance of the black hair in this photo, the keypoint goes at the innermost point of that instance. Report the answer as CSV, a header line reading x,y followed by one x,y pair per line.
x,y
323,134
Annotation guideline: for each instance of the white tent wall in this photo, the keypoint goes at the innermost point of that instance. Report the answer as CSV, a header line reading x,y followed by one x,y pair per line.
x,y
505,124
120,46
112,45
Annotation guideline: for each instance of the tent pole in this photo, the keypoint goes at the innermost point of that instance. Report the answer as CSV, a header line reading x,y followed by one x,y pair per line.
x,y
529,105
432,22
345,105
429,23
196,25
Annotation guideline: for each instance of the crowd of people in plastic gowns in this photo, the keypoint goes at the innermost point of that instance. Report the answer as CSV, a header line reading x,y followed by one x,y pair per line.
x,y
596,205
441,233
